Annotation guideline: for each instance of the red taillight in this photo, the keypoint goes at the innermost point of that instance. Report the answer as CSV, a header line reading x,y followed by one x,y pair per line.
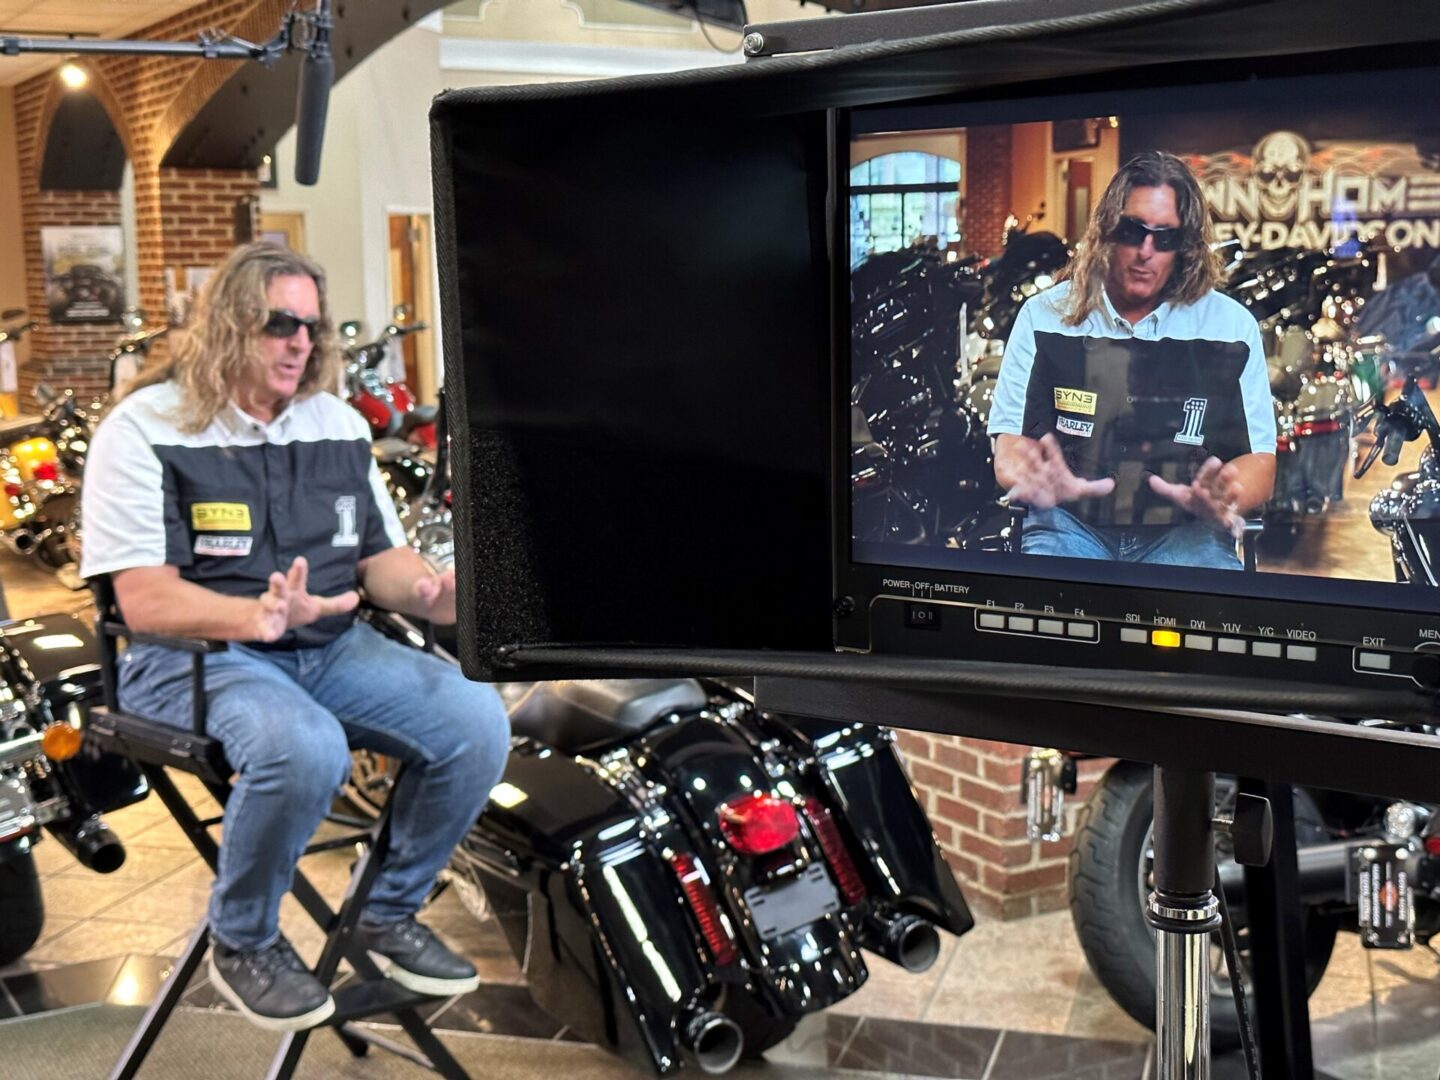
x,y
701,899
46,471
13,490
1432,845
847,874
758,824
1316,427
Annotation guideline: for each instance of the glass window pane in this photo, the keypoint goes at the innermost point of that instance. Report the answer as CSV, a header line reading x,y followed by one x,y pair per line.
x,y
949,170
948,222
860,239
860,174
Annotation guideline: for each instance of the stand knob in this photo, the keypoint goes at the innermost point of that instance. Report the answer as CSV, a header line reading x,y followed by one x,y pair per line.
x,y
1251,828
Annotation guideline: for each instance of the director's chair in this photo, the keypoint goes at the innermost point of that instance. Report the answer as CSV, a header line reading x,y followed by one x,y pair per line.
x,y
156,747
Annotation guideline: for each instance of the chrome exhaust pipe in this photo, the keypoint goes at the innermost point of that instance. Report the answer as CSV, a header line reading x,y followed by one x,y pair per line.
x,y
712,1041
22,541
907,940
92,843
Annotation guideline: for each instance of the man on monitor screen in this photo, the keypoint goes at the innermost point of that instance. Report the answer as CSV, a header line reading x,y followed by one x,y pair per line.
x,y
1133,414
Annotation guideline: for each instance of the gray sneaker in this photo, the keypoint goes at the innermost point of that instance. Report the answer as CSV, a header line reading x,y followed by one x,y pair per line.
x,y
411,954
271,987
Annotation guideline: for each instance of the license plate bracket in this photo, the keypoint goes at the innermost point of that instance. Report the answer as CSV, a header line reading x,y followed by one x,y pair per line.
x,y
778,910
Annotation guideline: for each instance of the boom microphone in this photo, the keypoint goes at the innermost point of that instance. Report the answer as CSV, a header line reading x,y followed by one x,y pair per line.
x,y
311,101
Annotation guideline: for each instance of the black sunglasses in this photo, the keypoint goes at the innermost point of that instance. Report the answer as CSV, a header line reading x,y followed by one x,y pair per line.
x,y
1132,233
282,324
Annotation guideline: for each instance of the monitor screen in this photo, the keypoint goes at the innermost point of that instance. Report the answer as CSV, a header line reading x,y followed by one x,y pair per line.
x,y
1179,339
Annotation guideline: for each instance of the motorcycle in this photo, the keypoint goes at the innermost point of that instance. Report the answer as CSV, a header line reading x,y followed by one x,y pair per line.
x,y
928,337
128,357
388,405
1408,511
1305,302
1111,868
682,876
43,462
51,781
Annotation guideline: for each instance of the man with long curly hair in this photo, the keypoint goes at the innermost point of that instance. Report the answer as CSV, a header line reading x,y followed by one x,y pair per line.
x,y
1133,414
232,496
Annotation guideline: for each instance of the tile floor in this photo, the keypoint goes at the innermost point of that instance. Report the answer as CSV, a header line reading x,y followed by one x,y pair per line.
x,y
1008,1000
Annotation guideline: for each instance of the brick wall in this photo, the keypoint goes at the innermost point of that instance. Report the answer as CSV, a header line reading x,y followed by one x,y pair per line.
x,y
184,217
971,790
987,188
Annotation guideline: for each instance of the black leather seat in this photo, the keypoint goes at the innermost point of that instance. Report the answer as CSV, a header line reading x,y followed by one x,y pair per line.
x,y
583,714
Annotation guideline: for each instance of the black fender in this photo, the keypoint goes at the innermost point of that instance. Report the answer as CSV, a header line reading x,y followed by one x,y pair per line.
x,y
707,761
882,819
589,906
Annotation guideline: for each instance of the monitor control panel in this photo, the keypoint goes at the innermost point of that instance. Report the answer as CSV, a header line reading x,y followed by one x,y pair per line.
x,y
1233,637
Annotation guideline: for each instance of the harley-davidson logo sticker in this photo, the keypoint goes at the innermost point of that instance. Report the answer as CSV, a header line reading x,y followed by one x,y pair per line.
x,y
234,546
1068,425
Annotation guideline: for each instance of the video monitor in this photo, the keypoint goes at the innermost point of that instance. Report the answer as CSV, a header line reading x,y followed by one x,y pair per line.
x,y
1152,368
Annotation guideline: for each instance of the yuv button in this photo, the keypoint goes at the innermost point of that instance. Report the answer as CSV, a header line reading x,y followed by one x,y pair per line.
x,y
1166,639
1231,645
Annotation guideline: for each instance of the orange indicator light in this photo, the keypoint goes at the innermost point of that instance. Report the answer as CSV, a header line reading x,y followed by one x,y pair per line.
x,y
1166,639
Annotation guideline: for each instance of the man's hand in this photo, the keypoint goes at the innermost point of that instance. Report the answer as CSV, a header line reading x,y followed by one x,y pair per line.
x,y
1214,496
287,603
436,596
1038,476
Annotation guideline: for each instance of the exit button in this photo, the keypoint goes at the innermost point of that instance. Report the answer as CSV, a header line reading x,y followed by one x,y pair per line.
x,y
922,616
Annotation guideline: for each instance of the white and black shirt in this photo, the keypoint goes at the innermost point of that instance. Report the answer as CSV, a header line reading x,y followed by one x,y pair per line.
x,y
1185,383
234,503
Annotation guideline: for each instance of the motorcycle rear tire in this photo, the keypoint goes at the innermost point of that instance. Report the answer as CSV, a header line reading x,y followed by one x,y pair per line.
x,y
1105,904
23,906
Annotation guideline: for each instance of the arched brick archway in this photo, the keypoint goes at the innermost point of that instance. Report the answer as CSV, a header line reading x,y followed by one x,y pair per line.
x,y
193,131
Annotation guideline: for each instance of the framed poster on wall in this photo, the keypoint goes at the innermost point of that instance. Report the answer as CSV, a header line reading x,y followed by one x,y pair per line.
x,y
84,272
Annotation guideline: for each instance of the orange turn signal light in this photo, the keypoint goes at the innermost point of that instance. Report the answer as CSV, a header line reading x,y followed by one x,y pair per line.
x,y
61,741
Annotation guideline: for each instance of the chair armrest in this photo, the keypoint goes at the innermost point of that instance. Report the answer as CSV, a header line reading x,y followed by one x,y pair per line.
x,y
184,644
198,648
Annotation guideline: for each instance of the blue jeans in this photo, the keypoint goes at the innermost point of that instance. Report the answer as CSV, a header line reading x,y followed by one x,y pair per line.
x,y
1058,532
287,720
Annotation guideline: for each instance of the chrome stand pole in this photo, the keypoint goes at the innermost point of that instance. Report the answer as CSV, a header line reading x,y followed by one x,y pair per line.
x,y
1183,910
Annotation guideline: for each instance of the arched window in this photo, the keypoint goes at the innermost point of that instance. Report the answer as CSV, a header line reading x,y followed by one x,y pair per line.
x,y
899,197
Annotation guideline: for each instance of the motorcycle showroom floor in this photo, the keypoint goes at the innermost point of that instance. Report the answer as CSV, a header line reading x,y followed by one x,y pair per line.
x,y
1008,1001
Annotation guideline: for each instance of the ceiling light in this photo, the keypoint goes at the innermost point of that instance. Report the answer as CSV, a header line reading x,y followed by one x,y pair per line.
x,y
73,75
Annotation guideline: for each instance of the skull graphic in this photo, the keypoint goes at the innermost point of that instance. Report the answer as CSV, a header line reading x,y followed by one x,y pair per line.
x,y
1280,161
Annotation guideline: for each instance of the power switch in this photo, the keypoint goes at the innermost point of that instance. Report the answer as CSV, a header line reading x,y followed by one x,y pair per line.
x,y
922,616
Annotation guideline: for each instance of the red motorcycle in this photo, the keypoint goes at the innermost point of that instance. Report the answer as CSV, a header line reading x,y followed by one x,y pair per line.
x,y
388,405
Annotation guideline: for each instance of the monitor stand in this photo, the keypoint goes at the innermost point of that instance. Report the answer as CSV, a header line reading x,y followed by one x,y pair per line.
x,y
1184,908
